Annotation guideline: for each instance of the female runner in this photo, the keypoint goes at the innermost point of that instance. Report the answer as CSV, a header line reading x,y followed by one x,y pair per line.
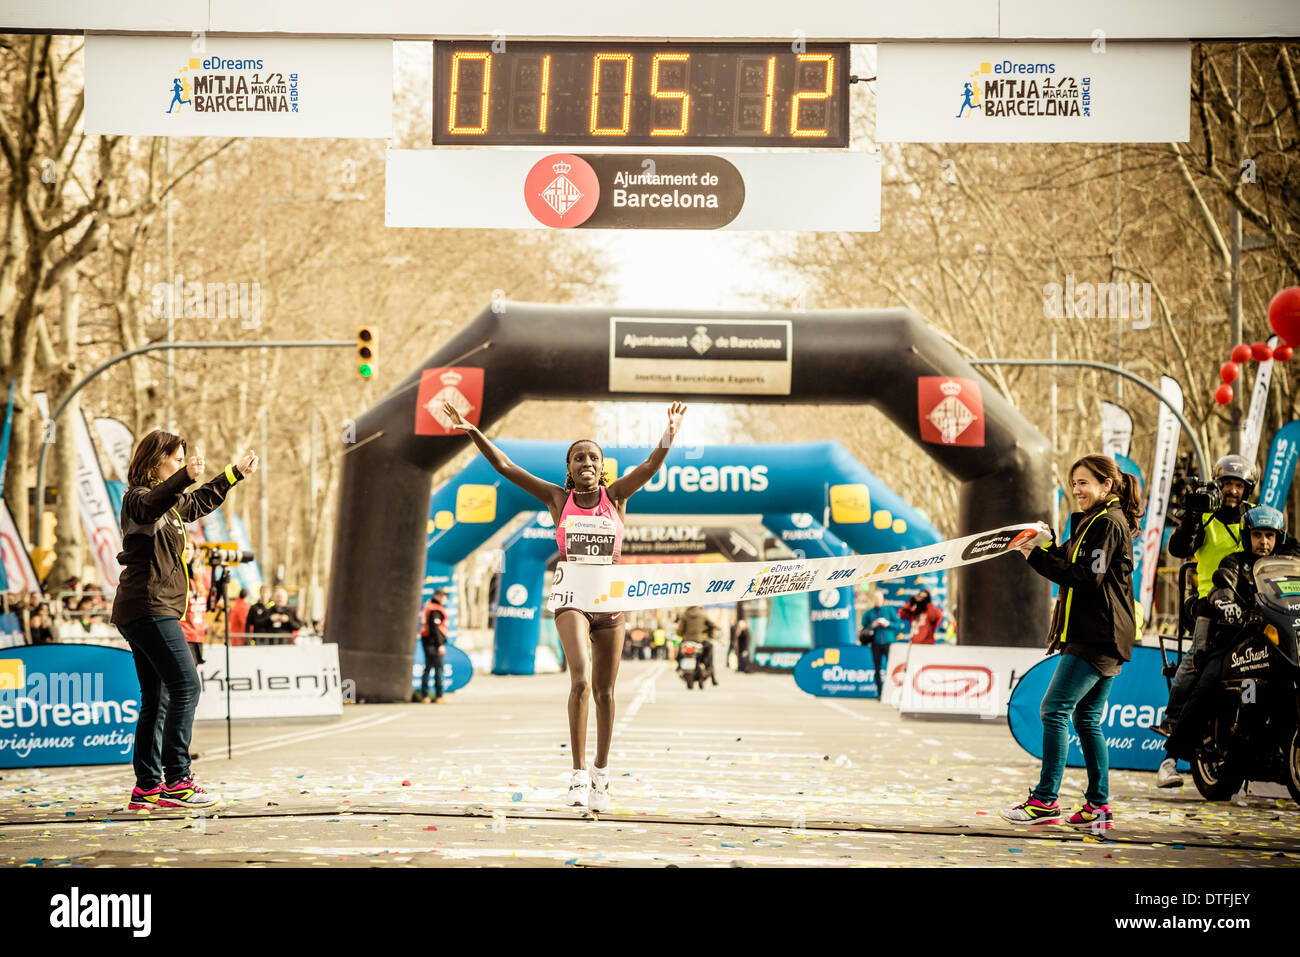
x,y
585,506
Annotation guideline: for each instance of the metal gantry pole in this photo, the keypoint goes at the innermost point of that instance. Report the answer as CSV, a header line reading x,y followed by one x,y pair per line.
x,y
1107,367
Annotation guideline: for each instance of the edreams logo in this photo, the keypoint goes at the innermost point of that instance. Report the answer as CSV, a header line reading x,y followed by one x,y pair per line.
x,y
997,542
76,910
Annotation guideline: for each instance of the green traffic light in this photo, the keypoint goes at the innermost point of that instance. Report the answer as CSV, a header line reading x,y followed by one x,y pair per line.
x,y
365,370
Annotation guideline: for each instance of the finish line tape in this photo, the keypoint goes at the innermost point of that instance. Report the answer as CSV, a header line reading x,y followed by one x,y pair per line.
x,y
599,588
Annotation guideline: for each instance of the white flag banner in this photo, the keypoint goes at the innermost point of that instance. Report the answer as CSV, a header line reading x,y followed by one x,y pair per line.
x,y
1162,477
1258,403
597,588
117,442
1116,429
18,564
97,518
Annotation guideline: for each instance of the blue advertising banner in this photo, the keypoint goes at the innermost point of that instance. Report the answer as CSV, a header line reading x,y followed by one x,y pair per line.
x,y
456,669
1279,470
1137,700
847,671
67,704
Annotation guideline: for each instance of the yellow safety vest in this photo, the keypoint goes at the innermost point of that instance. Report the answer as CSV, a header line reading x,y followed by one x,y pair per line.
x,y
1220,542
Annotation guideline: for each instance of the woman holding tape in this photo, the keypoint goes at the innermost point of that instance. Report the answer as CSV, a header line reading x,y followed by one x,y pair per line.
x,y
593,641
1093,627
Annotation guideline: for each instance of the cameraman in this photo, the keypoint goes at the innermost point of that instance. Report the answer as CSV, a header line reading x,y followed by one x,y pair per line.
x,y
924,615
1209,532
1265,534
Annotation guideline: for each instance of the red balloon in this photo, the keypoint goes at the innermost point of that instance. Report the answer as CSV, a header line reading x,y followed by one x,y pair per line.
x,y
1282,353
1241,353
1261,352
1228,372
1223,394
1284,315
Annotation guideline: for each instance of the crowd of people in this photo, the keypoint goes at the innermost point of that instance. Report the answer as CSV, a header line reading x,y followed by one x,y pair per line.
x,y
77,612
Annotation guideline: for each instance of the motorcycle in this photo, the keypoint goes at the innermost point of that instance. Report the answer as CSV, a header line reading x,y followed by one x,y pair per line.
x,y
1253,732
695,662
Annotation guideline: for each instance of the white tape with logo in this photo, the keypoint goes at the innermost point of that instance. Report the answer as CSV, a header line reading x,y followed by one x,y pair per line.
x,y
599,588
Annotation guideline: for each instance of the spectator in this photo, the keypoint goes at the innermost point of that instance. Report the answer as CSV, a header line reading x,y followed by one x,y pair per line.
x,y
239,618
924,615
880,629
259,615
42,627
434,638
284,621
741,638
193,625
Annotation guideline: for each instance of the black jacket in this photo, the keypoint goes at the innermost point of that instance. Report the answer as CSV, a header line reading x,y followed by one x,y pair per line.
x,y
1095,571
153,581
436,623
1228,609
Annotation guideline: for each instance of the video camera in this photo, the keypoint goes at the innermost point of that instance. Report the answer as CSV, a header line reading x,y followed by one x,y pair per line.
x,y
224,553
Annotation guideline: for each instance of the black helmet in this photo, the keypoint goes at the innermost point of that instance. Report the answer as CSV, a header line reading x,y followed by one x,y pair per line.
x,y
1235,467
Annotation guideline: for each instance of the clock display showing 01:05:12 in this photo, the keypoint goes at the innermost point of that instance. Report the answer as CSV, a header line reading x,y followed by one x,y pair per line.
x,y
641,94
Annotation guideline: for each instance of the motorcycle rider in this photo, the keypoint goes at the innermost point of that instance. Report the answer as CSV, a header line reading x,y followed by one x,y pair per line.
x,y
1264,533
1209,535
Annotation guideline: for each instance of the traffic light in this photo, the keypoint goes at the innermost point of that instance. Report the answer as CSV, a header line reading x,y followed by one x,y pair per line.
x,y
365,352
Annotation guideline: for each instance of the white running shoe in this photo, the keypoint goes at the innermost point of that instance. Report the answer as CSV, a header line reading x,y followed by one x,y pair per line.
x,y
1168,776
599,799
579,788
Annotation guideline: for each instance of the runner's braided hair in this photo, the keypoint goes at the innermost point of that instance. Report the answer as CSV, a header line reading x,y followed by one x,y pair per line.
x,y
568,479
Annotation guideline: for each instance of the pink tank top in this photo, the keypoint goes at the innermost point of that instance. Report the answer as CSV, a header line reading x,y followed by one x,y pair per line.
x,y
604,508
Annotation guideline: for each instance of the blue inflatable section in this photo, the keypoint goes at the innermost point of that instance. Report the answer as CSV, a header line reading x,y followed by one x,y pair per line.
x,y
832,608
1137,700
846,501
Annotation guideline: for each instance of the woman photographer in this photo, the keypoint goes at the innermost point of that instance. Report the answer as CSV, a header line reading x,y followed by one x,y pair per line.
x,y
151,599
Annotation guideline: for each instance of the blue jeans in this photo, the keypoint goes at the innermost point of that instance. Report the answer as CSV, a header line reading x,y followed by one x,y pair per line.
x,y
1079,689
169,693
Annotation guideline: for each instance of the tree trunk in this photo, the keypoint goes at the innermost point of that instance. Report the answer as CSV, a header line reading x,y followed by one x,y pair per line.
x,y
71,551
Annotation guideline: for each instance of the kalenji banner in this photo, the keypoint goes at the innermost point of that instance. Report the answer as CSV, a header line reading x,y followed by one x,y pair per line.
x,y
117,442
238,86
1162,477
1254,424
1116,430
1117,92
98,518
611,588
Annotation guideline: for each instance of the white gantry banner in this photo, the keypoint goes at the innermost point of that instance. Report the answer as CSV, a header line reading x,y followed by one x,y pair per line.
x,y
621,188
238,86
596,588
1080,92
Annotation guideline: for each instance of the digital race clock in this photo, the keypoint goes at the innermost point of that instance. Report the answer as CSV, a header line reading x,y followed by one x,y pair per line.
x,y
640,94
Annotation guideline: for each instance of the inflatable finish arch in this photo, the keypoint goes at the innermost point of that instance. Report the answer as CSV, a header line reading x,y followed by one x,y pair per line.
x,y
514,352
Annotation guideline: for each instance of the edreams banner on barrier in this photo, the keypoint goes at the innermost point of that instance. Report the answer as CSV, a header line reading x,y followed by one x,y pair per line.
x,y
273,681
67,704
1137,700
846,671
598,588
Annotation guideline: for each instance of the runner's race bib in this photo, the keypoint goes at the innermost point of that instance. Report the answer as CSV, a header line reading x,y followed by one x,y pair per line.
x,y
589,539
